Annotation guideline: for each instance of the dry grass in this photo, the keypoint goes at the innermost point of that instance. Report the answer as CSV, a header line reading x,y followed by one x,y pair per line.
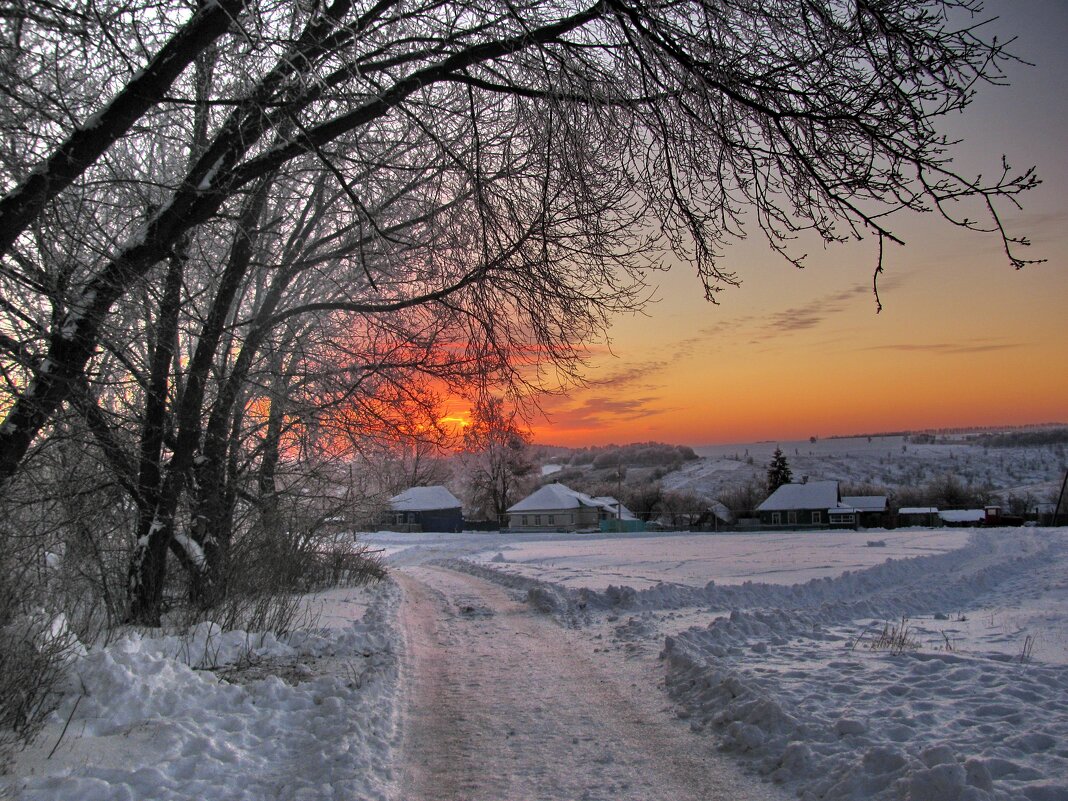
x,y
895,638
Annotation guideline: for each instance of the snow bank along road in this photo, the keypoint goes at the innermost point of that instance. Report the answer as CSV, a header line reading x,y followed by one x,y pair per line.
x,y
507,704
940,677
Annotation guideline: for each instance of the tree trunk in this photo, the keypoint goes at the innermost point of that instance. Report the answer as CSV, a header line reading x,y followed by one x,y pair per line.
x,y
145,586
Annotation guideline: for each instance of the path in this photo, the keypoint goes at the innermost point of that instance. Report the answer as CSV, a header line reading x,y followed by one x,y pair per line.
x,y
506,705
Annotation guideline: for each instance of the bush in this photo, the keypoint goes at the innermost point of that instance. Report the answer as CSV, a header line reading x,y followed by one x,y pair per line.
x,y
269,576
35,648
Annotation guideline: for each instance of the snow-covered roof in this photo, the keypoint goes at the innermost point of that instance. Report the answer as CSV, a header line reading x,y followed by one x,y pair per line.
x,y
721,511
865,503
963,515
558,496
424,499
617,508
918,510
810,495
552,496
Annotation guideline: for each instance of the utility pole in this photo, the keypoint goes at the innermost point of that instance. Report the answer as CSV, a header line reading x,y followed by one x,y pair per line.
x,y
1057,508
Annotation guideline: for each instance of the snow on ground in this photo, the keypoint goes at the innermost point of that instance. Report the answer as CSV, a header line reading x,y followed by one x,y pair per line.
x,y
805,682
695,559
217,715
775,645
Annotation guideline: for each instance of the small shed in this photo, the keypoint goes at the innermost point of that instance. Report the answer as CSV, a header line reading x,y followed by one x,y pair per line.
x,y
426,509
871,510
926,516
963,517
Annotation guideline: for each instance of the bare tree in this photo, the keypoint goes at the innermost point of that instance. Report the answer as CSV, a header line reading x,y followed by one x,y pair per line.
x,y
597,135
496,460
310,209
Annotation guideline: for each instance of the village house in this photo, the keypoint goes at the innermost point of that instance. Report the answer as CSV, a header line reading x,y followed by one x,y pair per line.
x,y
805,504
556,507
820,503
426,509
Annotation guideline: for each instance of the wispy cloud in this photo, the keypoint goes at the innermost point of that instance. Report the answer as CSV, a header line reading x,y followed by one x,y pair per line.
x,y
599,411
632,375
815,313
948,348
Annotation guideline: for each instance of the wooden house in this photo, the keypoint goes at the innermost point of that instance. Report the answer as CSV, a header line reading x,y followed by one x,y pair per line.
x,y
426,509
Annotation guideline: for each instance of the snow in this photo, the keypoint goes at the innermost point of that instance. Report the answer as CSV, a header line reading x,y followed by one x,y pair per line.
x,y
809,495
934,666
645,560
209,176
192,549
800,681
209,715
552,496
963,515
424,499
886,461
556,496
865,503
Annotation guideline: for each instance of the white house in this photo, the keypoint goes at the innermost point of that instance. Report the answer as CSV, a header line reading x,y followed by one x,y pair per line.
x,y
558,507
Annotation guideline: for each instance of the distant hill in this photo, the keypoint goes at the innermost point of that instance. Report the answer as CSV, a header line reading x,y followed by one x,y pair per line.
x,y
636,454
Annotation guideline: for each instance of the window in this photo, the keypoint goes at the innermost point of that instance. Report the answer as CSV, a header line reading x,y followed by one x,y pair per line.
x,y
537,520
817,517
776,518
792,517
524,520
551,523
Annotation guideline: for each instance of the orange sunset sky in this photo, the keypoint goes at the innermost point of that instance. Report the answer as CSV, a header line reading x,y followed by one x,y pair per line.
x,y
963,338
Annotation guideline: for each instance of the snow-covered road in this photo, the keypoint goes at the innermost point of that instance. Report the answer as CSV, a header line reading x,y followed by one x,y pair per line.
x,y
505,703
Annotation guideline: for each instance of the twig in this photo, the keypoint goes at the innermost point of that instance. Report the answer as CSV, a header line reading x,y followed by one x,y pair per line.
x,y
70,717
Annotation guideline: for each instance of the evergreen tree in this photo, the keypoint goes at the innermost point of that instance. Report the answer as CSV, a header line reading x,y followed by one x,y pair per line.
x,y
778,471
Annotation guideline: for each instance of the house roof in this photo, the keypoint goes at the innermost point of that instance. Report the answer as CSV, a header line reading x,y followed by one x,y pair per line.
x,y
610,503
552,497
424,499
918,510
865,503
810,495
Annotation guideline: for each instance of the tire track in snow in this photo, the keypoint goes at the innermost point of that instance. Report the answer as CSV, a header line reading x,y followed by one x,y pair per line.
x,y
506,705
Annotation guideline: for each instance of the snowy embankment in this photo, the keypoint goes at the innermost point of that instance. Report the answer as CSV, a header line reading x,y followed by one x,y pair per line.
x,y
146,718
967,699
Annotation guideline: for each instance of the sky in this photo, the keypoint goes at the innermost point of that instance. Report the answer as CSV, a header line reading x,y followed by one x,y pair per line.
x,y
963,339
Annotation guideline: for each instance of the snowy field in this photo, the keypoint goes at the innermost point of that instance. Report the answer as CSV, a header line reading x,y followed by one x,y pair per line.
x,y
891,462
932,666
695,559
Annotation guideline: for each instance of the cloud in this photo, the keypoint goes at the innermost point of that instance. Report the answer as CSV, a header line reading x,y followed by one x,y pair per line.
x,y
632,375
600,411
814,313
949,348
